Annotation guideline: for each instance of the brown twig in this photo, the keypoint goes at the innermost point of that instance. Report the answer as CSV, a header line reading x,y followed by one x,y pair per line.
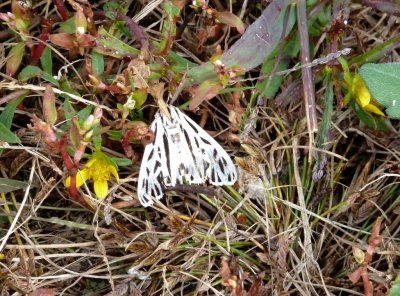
x,y
308,84
61,9
37,53
373,242
136,30
13,96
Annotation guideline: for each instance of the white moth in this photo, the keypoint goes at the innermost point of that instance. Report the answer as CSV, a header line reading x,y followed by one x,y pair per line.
x,y
181,153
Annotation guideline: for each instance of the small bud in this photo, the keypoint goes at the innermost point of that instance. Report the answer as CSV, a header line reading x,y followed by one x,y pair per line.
x,y
89,122
80,22
218,63
80,30
88,136
130,103
98,113
358,254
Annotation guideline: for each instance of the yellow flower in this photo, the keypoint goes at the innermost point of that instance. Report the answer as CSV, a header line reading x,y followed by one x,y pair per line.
x,y
359,91
99,168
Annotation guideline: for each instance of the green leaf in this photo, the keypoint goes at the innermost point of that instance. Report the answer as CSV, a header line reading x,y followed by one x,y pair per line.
x,y
383,81
371,121
69,110
261,37
6,135
269,86
97,63
108,44
8,185
179,63
110,8
84,114
46,61
140,97
328,110
29,72
116,135
121,161
376,53
6,117
68,26
48,77
395,290
235,89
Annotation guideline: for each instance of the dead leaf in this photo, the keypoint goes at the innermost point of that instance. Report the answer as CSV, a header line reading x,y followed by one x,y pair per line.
x,y
224,271
152,237
229,19
139,247
256,285
19,162
140,73
64,40
204,92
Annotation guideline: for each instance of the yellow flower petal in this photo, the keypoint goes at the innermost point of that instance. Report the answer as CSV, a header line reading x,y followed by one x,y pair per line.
x,y
92,160
360,91
99,168
81,177
101,189
372,108
113,171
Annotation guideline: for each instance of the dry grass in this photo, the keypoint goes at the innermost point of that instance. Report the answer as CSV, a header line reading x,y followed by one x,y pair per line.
x,y
278,231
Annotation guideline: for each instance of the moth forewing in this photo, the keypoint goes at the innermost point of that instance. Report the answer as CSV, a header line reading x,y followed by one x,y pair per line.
x,y
213,163
152,167
182,153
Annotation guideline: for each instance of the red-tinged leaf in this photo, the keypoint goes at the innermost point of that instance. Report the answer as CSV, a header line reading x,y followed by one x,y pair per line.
x,y
354,277
241,218
63,40
255,288
224,271
74,133
45,129
206,91
230,19
49,105
14,58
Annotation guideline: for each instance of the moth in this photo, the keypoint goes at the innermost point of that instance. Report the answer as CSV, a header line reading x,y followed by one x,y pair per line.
x,y
181,153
